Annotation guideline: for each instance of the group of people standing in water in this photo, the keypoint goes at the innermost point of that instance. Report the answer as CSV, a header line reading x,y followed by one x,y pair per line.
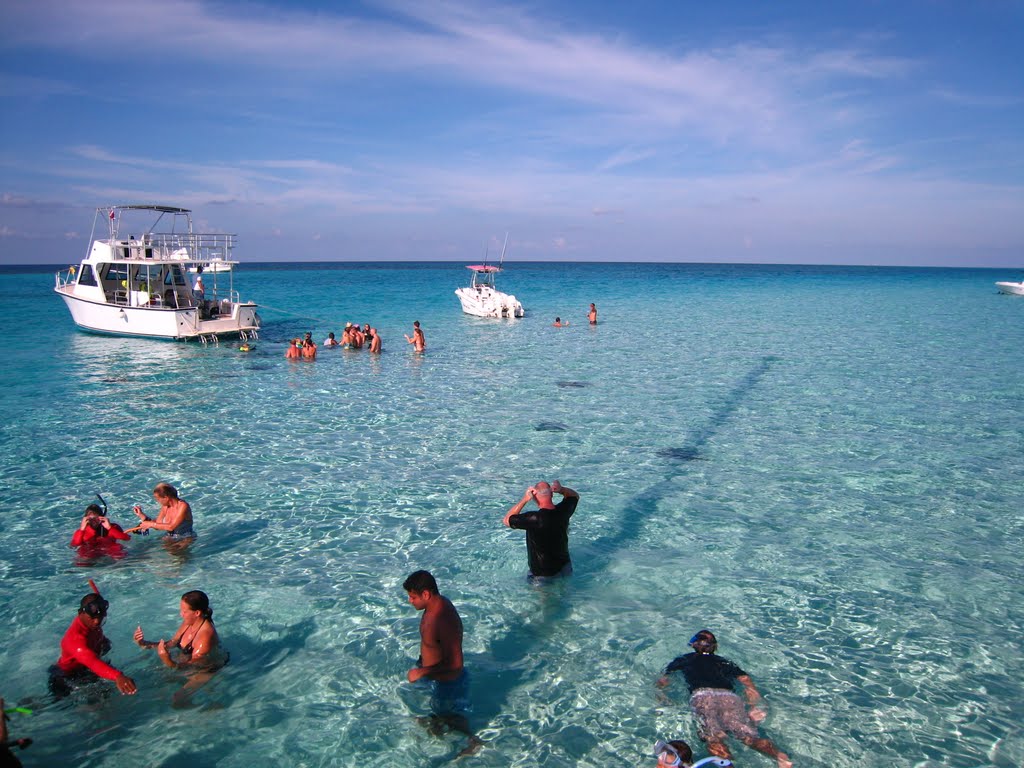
x,y
710,678
195,646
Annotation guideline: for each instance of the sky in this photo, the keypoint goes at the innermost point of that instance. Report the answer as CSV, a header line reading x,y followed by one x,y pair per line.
x,y
867,132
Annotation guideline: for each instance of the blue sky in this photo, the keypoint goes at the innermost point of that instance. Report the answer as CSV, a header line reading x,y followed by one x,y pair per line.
x,y
818,132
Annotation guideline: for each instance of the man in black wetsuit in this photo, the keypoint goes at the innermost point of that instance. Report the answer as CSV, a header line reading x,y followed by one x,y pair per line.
x,y
718,709
547,529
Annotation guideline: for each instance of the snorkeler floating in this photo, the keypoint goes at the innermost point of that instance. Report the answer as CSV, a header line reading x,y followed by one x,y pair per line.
x,y
719,711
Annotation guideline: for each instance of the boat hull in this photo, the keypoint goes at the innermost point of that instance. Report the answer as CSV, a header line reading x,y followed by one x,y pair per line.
x,y
483,302
1014,289
159,322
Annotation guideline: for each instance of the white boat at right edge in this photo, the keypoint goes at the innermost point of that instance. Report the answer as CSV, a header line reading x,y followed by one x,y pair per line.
x,y
482,299
1015,289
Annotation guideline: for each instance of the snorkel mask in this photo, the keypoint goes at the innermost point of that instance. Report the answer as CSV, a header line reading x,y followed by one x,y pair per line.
x,y
664,748
94,606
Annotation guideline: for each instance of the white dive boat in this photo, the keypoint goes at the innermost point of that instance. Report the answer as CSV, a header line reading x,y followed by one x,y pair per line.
x,y
1017,289
140,287
482,299
217,264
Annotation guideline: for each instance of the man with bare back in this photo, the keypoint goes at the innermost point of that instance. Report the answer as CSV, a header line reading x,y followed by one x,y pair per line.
x,y
440,658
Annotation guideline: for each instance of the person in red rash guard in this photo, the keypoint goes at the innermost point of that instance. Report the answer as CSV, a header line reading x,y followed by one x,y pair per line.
x,y
97,529
81,648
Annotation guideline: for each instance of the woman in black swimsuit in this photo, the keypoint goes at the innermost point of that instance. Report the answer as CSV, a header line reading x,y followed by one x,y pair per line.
x,y
198,646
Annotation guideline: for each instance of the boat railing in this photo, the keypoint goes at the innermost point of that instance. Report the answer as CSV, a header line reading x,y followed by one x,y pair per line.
x,y
65,277
173,246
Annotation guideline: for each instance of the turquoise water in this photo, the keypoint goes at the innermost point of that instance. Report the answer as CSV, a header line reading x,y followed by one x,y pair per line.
x,y
821,464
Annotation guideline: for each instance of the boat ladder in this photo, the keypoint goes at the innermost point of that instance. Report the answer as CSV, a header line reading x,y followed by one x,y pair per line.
x,y
209,338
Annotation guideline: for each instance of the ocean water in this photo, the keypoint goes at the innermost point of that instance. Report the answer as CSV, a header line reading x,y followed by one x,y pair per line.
x,y
824,465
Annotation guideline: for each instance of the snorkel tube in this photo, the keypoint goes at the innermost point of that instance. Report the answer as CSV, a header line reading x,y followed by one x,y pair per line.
x,y
103,503
721,762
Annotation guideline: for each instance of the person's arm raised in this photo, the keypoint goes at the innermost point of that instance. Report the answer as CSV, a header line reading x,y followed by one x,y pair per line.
x,y
517,508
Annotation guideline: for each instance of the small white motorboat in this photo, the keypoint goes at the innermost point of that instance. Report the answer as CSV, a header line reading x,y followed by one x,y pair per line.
x,y
129,287
1016,289
482,299
217,264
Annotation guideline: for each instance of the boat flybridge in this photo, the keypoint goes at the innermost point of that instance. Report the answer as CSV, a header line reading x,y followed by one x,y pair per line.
x,y
139,286
482,299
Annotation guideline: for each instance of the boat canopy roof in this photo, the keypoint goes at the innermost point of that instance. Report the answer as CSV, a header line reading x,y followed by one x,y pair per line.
x,y
483,268
157,208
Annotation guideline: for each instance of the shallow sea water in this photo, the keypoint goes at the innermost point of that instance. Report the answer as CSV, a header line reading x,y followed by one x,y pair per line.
x,y
824,465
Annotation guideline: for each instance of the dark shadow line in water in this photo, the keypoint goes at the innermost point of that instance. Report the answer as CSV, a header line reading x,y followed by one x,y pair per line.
x,y
524,640
645,503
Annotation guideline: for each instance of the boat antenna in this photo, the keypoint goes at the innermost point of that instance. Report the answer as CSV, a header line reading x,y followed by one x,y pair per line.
x,y
502,260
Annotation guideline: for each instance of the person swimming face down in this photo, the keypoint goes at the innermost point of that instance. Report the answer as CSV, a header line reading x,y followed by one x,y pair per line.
x,y
673,754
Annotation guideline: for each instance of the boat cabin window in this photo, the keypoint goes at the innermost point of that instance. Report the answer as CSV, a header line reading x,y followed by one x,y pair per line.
x,y
86,275
115,272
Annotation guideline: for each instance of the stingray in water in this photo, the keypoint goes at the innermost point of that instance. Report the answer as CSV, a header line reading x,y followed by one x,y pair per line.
x,y
573,384
551,426
681,454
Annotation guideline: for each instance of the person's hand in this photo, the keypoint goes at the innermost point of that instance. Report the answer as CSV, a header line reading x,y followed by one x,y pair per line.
x,y
161,648
125,684
85,523
757,714
556,486
415,674
140,639
138,512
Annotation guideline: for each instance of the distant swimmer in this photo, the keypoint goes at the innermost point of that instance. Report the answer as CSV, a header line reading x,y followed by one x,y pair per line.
x,y
375,342
719,711
293,352
417,337
175,516
330,341
677,754
547,528
196,641
97,529
559,324
308,348
592,315
440,658
81,648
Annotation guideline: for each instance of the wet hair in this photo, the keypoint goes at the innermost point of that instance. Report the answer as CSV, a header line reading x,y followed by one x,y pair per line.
x,y
420,581
93,605
415,323
704,642
166,490
198,601
93,509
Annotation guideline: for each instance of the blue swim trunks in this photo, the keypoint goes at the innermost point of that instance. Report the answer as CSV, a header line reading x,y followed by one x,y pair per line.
x,y
451,697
